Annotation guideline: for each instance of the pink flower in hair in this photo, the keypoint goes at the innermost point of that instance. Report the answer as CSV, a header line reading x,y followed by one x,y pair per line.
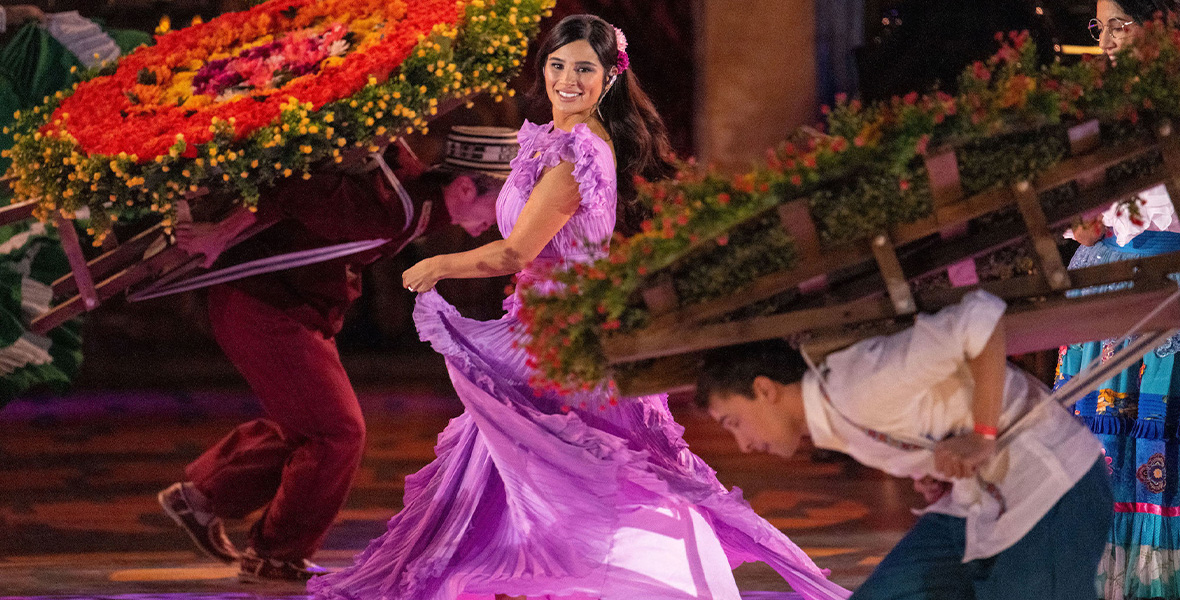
x,y
621,41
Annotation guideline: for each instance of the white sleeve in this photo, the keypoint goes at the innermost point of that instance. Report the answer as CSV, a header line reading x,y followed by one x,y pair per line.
x,y
880,372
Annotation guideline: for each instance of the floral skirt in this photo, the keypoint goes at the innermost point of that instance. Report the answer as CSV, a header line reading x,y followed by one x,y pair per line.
x,y
1131,413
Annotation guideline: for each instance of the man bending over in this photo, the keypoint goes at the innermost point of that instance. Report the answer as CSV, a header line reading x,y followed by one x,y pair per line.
x,y
1024,519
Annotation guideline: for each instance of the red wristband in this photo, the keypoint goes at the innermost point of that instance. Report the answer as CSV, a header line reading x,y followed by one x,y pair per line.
x,y
987,431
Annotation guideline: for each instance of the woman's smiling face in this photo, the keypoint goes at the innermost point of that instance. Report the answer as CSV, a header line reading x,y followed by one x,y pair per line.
x,y
574,78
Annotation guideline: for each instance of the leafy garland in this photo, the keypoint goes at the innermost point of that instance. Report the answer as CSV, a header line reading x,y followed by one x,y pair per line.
x,y
861,172
477,48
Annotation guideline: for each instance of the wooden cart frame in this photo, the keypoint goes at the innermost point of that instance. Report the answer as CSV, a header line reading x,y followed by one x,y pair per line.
x,y
1043,313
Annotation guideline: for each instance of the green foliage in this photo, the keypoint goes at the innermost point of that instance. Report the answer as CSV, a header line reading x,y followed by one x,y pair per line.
x,y
871,204
754,250
988,162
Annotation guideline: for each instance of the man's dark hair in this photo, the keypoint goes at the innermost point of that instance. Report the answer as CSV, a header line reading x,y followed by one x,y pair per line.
x,y
732,370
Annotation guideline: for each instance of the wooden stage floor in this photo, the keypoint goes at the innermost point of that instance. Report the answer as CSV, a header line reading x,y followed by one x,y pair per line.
x,y
79,475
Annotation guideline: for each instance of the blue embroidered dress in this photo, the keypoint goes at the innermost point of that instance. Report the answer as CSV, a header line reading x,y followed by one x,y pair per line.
x,y
1132,415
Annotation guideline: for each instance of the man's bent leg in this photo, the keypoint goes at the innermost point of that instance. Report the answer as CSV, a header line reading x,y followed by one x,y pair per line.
x,y
297,376
927,564
240,474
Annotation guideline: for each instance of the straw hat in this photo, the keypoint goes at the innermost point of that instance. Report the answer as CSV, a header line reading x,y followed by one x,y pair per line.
x,y
488,150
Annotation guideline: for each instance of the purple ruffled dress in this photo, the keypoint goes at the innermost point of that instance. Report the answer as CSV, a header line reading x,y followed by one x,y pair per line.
x,y
527,500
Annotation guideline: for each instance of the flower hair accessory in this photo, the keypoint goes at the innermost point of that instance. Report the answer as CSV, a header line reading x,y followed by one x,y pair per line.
x,y
624,62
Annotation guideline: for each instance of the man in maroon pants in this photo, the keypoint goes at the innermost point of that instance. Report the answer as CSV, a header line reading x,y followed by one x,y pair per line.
x,y
298,462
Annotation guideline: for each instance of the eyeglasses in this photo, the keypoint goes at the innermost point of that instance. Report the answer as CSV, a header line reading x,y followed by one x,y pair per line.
x,y
1117,27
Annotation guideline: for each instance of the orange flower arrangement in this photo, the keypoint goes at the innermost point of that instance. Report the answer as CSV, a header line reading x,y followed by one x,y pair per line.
x,y
236,103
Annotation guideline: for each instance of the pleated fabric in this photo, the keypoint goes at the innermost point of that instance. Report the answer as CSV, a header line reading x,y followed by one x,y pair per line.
x,y
1135,417
527,499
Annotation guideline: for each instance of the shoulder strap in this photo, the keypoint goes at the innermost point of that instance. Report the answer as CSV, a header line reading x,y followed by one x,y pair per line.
x,y
402,194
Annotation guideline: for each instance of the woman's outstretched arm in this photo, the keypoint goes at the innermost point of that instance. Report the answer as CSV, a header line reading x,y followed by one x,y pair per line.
x,y
553,201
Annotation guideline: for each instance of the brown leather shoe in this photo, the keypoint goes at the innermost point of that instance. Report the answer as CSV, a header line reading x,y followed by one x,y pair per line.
x,y
209,536
257,569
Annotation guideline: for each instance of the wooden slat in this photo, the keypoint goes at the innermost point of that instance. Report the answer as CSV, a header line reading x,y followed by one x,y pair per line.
x,y
17,212
79,271
1044,325
849,256
1084,137
691,338
661,298
961,249
110,287
946,188
1148,272
1096,163
895,281
111,262
1172,166
1041,326
955,213
945,216
1000,236
665,375
795,218
1151,270
979,205
1044,244
949,216
1062,321
765,287
942,168
172,262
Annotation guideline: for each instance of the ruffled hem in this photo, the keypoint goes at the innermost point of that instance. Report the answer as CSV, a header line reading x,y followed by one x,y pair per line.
x,y
1126,426
525,499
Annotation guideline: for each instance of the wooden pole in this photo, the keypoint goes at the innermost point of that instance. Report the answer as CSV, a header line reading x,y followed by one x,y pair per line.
x,y
1045,246
73,250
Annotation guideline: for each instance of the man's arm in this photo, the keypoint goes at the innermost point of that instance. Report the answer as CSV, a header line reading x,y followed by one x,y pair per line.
x,y
960,456
209,239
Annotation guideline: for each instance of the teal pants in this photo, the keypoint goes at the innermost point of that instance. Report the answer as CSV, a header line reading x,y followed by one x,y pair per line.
x,y
1056,560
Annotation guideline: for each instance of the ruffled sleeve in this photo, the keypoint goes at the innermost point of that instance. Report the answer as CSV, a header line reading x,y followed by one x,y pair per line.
x,y
593,165
527,138
1156,213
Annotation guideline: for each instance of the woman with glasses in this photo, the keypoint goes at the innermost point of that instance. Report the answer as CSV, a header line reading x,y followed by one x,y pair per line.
x,y
1131,413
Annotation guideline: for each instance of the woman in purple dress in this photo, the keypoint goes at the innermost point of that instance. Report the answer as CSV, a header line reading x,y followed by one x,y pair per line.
x,y
528,500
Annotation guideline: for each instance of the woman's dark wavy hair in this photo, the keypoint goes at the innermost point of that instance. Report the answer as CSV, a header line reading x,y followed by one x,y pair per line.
x,y
1144,10
638,132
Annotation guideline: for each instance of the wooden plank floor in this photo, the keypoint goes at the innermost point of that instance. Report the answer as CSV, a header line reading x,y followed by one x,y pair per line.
x,y
78,478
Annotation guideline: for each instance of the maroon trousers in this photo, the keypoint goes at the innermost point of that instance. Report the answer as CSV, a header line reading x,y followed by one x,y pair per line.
x,y
299,461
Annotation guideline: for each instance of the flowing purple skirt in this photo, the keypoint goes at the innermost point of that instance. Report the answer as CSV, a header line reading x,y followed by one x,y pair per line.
x,y
524,499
